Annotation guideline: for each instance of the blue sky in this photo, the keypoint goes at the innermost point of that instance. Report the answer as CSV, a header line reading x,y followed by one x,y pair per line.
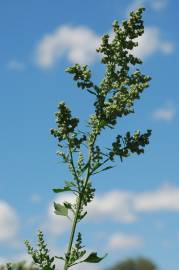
x,y
136,212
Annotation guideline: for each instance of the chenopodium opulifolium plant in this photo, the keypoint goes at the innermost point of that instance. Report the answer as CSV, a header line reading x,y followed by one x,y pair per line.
x,y
114,97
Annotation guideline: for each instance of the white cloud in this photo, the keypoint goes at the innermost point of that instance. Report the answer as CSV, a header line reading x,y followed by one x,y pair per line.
x,y
21,257
151,42
124,241
2,260
120,206
86,266
78,44
15,65
9,222
165,198
115,204
124,206
166,113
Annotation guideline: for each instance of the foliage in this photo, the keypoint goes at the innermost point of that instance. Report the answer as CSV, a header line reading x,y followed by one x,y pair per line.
x,y
129,264
18,266
135,264
114,97
41,255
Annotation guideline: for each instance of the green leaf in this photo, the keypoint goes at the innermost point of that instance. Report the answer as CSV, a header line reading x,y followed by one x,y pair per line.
x,y
47,267
105,169
93,258
85,167
58,190
60,258
103,123
68,205
83,215
69,184
60,209
96,166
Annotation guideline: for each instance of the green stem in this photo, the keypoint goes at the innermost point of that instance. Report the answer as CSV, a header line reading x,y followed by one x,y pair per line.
x,y
75,220
72,163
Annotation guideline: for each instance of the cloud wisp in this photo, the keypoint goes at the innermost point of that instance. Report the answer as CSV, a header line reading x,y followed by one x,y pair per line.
x,y
124,241
15,65
35,198
165,113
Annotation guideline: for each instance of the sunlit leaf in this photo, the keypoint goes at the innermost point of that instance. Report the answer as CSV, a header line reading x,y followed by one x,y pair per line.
x,y
60,209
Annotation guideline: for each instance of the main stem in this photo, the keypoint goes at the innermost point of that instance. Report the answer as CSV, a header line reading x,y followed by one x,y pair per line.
x,y
79,201
72,233
75,220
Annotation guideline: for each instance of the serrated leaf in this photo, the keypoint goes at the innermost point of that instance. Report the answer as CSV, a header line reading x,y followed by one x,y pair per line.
x,y
60,209
93,258
58,190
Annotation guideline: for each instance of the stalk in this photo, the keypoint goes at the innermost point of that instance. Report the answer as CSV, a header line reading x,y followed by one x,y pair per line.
x,y
75,220
72,233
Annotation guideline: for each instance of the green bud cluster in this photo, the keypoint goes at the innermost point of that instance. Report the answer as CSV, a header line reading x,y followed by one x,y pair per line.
x,y
88,194
65,122
124,146
82,75
77,252
41,255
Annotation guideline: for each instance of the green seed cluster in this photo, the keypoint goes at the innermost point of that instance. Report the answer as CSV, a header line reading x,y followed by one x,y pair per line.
x,y
65,122
77,251
82,75
123,147
41,255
